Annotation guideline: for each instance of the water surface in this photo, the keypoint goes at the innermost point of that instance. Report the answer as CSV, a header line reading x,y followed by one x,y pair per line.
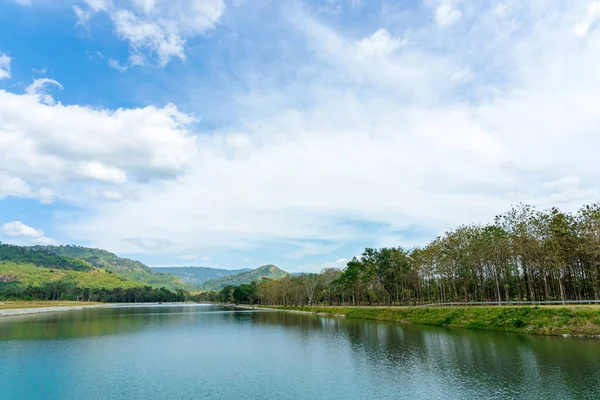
x,y
208,352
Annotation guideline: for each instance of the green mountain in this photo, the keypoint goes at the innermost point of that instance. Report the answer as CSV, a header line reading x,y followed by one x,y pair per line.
x,y
131,269
196,276
266,271
20,254
15,275
26,273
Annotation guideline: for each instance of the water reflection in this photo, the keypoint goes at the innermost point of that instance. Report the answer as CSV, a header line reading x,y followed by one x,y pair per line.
x,y
103,321
483,364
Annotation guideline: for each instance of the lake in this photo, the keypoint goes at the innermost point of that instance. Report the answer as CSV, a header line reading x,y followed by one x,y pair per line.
x,y
211,352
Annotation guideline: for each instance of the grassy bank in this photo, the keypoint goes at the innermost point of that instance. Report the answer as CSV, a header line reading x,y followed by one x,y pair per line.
x,y
575,321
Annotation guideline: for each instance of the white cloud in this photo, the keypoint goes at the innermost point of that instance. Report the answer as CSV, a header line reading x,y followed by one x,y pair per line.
x,y
69,144
447,14
339,263
24,234
381,43
13,186
46,196
157,27
82,16
582,28
98,171
112,195
4,66
115,65
136,60
38,89
368,132
391,141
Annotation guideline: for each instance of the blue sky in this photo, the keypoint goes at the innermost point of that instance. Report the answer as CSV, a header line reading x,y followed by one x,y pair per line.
x,y
238,133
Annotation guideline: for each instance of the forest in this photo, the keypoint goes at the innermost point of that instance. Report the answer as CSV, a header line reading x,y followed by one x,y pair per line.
x,y
31,255
524,255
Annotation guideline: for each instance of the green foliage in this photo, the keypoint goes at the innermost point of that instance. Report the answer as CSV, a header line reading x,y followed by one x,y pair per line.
x,y
264,272
196,276
245,293
19,254
131,269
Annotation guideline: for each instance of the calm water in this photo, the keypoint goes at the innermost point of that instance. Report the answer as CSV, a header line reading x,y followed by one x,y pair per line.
x,y
206,352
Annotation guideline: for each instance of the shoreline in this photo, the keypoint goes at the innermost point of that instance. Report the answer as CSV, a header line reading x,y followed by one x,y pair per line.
x,y
568,322
13,312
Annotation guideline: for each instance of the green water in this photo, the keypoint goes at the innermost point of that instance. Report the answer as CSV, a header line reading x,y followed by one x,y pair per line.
x,y
207,352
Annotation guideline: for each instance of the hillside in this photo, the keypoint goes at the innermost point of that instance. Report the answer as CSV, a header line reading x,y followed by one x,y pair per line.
x,y
30,282
23,275
196,276
131,269
20,254
266,271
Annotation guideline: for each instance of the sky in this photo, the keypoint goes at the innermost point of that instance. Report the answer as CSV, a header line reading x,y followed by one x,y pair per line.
x,y
236,133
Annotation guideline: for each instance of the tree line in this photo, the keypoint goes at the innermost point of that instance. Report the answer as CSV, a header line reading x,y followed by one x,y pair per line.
x,y
68,291
524,255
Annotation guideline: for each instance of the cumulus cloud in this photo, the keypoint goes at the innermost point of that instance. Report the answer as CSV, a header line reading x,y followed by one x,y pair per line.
x,y
71,143
4,66
11,185
159,28
24,234
447,14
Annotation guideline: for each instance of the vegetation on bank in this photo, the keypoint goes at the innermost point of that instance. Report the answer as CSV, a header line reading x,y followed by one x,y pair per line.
x,y
576,321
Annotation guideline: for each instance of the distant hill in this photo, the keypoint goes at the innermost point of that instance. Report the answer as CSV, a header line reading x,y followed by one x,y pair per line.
x,y
266,271
196,276
131,269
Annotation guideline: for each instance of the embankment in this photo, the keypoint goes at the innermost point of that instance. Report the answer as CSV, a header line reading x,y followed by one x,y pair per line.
x,y
39,310
566,321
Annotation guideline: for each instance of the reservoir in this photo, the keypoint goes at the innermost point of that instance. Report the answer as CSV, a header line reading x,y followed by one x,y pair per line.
x,y
213,352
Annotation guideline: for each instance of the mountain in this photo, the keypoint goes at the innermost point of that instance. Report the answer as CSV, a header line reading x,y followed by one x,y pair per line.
x,y
196,276
26,273
131,269
266,271
20,254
